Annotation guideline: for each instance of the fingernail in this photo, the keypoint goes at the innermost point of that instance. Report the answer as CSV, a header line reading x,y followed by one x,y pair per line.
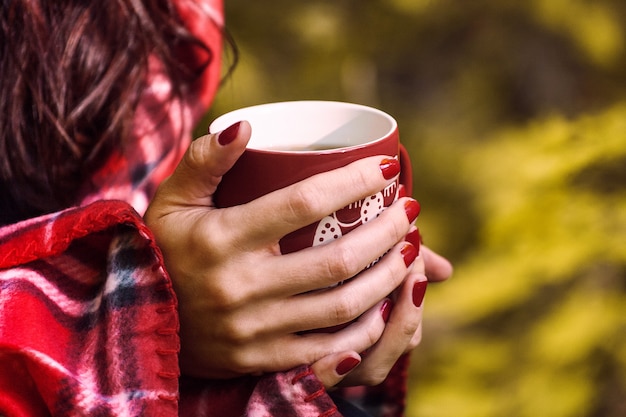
x,y
409,253
390,167
412,208
419,290
385,310
228,135
415,239
347,365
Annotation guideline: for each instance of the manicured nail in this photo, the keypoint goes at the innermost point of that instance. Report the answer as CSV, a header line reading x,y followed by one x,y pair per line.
x,y
390,167
419,290
385,310
409,253
228,135
412,208
347,365
415,239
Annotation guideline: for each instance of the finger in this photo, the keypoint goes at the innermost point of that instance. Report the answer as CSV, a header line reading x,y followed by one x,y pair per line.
x,y
270,217
326,265
294,276
357,336
204,163
438,268
311,347
332,369
398,337
416,339
345,303
324,309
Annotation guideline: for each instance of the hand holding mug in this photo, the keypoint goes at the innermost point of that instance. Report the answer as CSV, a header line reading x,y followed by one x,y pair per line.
x,y
292,141
244,307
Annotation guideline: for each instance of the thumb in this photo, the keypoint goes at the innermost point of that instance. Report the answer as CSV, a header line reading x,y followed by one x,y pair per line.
x,y
208,158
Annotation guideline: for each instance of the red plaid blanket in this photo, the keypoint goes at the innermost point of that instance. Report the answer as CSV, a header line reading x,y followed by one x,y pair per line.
x,y
88,327
88,321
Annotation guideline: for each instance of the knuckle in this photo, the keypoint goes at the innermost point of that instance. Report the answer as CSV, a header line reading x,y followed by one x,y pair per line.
x,y
226,297
212,235
415,341
195,155
409,328
235,333
375,376
303,201
346,309
240,361
343,261
373,335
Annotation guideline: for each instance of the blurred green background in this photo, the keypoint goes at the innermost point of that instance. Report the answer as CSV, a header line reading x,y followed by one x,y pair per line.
x,y
514,113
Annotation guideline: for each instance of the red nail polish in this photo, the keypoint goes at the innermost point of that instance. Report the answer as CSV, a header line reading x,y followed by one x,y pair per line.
x,y
228,135
419,290
412,208
409,253
390,167
347,365
415,239
385,310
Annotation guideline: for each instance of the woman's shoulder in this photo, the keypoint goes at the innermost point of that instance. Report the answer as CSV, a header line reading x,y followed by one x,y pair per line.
x,y
51,234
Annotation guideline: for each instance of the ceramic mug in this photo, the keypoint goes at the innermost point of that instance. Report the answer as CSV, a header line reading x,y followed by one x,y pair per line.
x,y
294,140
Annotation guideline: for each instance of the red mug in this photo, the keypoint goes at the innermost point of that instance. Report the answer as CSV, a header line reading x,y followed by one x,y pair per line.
x,y
292,141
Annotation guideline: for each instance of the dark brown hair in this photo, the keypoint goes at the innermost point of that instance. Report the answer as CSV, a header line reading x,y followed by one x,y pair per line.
x,y
71,72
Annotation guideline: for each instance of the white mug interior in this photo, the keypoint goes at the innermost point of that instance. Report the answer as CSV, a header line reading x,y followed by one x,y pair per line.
x,y
309,126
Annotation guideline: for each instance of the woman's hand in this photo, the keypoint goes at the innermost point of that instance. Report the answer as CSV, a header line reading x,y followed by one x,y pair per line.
x,y
403,330
246,309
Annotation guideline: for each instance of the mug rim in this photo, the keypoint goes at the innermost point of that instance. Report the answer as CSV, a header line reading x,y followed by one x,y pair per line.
x,y
229,118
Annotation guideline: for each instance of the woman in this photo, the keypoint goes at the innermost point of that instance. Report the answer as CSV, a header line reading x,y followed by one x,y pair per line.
x,y
98,102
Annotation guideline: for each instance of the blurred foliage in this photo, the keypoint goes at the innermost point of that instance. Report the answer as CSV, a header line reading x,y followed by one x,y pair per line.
x,y
515,116
535,323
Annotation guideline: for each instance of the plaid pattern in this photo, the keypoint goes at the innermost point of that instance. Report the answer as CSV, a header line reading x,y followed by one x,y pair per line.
x,y
88,323
89,327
